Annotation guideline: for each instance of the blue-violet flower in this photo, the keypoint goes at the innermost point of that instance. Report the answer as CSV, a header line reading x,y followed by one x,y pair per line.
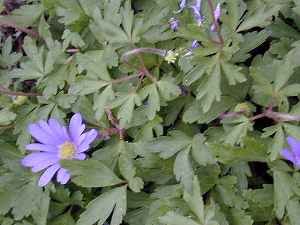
x,y
55,143
174,24
293,153
217,16
182,5
196,8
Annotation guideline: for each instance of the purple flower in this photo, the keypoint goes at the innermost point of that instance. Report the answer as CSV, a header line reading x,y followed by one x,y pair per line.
x,y
56,142
196,8
292,154
195,44
217,16
182,5
174,24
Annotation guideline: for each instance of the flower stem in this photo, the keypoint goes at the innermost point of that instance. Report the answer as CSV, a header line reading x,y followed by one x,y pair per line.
x,y
30,32
116,129
6,91
125,57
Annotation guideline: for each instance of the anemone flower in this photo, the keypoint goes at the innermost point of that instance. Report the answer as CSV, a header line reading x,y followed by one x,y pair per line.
x,y
55,143
293,153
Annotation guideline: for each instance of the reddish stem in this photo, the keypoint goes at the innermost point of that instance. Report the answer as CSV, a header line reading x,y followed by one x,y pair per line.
x,y
30,32
6,91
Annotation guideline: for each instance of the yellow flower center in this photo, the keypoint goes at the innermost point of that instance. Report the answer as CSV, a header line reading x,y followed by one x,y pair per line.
x,y
67,150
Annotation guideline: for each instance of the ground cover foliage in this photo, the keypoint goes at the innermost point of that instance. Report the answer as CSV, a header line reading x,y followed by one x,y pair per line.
x,y
187,134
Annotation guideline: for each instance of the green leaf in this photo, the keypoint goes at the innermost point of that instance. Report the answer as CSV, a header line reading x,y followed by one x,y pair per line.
x,y
183,169
253,150
153,100
24,16
195,201
126,104
107,30
209,90
168,89
63,219
99,209
91,173
128,170
172,218
101,100
282,192
87,86
72,38
233,73
284,72
93,63
236,129
168,146
6,117
200,151
293,208
260,17
252,40
195,111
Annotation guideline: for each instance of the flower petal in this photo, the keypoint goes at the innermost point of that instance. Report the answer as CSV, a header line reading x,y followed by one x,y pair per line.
x,y
89,138
35,158
63,176
58,129
287,154
45,126
80,156
48,174
44,164
41,147
76,127
295,145
40,135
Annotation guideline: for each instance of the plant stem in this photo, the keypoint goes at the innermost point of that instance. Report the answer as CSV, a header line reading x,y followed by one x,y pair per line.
x,y
6,91
125,78
136,51
117,129
30,32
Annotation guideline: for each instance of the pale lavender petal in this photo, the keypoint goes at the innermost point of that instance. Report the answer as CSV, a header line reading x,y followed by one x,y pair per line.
x,y
66,134
41,147
44,164
195,44
80,156
81,138
76,127
294,144
47,129
213,28
197,14
287,154
63,176
58,129
182,5
198,5
90,137
217,12
174,24
217,16
35,158
40,135
48,174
